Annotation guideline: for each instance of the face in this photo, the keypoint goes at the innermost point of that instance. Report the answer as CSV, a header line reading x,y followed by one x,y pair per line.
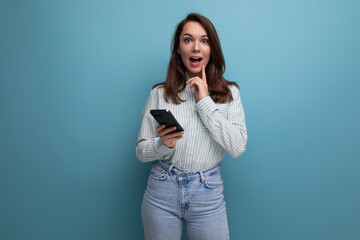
x,y
194,48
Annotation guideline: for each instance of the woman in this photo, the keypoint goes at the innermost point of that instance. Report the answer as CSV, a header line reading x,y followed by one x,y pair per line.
x,y
185,183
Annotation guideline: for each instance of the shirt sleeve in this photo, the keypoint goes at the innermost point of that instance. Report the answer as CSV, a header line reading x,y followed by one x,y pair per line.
x,y
149,146
230,133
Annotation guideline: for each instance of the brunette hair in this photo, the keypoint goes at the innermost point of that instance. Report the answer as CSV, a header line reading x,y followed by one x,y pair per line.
x,y
175,81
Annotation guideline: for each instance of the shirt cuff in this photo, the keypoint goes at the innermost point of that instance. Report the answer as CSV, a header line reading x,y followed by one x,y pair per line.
x,y
161,148
205,106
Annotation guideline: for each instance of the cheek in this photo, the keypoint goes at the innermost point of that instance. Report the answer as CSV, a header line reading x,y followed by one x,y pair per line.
x,y
183,58
208,53
182,52
207,57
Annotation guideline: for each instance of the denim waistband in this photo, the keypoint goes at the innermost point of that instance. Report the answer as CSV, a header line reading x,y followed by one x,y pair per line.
x,y
201,174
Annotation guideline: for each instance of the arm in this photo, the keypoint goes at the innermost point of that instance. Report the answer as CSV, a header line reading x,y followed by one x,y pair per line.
x,y
149,146
231,133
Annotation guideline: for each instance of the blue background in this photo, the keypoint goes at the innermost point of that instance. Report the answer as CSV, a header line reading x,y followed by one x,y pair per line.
x,y
75,76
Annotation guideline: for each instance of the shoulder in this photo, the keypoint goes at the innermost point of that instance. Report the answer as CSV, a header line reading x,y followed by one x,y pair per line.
x,y
233,88
157,92
235,91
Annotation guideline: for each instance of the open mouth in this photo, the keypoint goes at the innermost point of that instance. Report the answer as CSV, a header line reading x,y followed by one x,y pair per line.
x,y
195,60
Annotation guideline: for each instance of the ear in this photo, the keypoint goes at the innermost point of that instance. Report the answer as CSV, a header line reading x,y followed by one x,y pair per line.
x,y
178,51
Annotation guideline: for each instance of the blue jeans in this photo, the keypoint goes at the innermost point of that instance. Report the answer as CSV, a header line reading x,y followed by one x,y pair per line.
x,y
173,195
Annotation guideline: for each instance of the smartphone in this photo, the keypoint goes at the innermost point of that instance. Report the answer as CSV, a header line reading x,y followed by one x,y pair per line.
x,y
164,116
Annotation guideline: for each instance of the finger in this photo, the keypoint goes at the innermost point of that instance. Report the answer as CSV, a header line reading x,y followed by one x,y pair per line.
x,y
197,81
171,136
192,79
194,84
166,131
177,138
203,73
172,140
160,127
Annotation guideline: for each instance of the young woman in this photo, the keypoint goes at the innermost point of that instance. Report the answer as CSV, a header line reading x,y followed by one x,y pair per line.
x,y
185,183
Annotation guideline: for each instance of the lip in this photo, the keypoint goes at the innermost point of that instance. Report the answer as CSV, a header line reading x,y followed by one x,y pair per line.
x,y
195,64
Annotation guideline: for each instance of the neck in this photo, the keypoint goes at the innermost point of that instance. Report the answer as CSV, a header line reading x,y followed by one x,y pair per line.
x,y
193,75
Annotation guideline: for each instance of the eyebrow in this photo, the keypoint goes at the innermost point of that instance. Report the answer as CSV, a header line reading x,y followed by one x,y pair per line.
x,y
192,35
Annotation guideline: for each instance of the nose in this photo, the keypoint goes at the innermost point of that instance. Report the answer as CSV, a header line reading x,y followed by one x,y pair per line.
x,y
196,46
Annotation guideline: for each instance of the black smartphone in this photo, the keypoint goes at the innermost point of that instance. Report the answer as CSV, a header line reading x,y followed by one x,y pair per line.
x,y
164,116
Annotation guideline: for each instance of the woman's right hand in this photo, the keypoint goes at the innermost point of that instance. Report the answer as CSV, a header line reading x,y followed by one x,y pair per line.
x,y
168,136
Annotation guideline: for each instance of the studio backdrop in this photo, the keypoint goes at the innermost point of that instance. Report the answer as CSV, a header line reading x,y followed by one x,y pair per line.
x,y
75,76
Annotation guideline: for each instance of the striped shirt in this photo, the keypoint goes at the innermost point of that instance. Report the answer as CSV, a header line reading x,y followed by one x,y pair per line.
x,y
210,129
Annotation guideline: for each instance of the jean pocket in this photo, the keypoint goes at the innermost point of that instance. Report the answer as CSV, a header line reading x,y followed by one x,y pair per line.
x,y
214,180
158,173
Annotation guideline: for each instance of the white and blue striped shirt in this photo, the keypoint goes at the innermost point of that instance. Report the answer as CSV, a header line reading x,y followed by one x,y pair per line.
x,y
209,130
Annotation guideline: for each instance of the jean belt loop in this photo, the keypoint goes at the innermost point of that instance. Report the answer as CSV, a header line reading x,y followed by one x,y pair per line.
x,y
202,176
170,168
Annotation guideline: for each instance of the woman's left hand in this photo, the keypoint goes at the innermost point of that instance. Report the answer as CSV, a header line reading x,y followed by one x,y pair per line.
x,y
200,85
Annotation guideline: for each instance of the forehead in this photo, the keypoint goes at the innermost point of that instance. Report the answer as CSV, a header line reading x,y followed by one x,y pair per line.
x,y
194,28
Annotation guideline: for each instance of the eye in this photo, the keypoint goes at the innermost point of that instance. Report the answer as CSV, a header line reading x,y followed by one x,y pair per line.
x,y
205,41
187,40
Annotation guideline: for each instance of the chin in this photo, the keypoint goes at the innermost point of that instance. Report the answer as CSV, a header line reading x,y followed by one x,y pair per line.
x,y
195,72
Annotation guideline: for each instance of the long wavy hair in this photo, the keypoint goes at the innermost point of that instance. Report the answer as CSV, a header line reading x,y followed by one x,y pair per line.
x,y
175,81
